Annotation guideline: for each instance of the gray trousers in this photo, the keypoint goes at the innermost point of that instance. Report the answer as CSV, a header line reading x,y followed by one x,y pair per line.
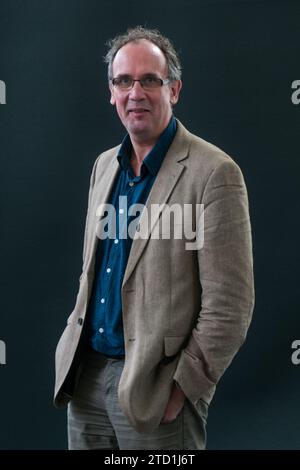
x,y
95,420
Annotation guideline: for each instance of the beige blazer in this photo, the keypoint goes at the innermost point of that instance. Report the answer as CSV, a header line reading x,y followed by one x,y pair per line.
x,y
185,312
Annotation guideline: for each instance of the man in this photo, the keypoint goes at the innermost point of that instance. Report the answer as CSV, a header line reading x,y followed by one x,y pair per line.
x,y
157,319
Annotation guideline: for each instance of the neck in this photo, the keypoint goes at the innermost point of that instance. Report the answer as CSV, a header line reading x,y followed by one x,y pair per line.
x,y
137,156
141,149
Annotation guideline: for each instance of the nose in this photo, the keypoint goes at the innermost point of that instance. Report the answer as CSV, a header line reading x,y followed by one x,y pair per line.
x,y
137,92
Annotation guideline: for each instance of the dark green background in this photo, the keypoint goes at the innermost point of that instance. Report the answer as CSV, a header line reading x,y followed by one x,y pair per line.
x,y
239,60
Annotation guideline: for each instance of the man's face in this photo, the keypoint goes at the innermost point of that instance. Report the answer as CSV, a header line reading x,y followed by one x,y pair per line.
x,y
144,113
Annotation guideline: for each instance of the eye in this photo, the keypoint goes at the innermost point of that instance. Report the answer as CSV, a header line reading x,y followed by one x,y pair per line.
x,y
149,80
125,80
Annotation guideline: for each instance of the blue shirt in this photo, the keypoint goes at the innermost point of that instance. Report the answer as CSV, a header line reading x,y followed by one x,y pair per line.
x,y
103,329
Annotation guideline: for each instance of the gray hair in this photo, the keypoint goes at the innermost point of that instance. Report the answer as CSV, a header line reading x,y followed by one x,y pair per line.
x,y
152,35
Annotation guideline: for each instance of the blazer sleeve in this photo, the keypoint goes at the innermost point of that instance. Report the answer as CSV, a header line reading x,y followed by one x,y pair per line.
x,y
226,278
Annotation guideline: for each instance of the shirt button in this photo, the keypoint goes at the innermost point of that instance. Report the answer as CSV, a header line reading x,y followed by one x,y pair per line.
x,y
108,270
131,183
102,300
121,211
101,330
116,241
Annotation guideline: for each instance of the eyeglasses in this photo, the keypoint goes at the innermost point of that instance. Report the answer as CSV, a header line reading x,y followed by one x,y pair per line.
x,y
148,82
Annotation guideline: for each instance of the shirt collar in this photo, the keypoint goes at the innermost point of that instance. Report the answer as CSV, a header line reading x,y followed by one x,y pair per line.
x,y
154,158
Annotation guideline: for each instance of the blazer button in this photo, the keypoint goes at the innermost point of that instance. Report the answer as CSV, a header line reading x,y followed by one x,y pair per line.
x,y
80,321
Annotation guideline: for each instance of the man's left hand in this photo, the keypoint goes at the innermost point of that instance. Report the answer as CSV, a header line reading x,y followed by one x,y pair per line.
x,y
174,406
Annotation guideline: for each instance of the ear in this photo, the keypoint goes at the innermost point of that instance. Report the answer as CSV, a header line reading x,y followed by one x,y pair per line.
x,y
112,95
175,88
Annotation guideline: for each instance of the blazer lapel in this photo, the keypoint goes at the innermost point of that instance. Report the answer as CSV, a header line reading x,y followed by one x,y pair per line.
x,y
103,192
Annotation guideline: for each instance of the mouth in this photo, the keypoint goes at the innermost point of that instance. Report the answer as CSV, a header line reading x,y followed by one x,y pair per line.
x,y
138,110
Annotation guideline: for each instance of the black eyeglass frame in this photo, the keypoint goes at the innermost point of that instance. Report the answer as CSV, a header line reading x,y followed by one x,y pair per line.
x,y
161,81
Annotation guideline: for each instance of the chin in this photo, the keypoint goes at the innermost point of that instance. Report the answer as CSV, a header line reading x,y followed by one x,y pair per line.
x,y
139,129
